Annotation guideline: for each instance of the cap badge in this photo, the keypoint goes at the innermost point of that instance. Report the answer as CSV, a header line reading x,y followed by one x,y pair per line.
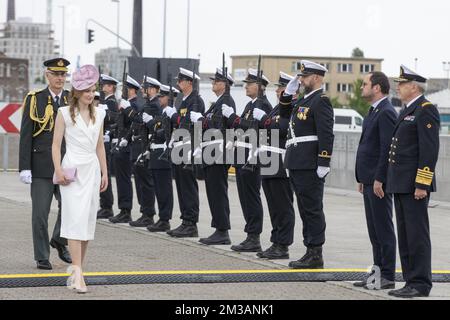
x,y
60,63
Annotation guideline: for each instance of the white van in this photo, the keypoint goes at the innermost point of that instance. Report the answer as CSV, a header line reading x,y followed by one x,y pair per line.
x,y
347,120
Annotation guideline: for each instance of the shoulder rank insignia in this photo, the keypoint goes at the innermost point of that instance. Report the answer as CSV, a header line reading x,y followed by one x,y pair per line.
x,y
426,104
302,113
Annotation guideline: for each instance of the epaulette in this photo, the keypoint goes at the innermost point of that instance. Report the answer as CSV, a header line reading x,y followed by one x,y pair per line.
x,y
34,92
326,98
426,104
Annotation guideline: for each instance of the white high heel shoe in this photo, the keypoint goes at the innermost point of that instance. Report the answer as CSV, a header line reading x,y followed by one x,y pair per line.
x,y
74,281
70,283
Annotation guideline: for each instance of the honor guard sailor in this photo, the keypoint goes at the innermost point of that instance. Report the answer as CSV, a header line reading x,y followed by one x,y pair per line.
x,y
308,155
411,178
35,159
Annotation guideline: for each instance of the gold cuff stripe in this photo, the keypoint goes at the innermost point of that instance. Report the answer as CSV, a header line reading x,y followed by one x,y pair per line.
x,y
324,156
425,175
285,103
424,181
430,174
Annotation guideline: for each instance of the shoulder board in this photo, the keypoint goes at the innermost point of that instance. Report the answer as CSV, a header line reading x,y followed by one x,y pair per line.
x,y
426,104
325,97
34,92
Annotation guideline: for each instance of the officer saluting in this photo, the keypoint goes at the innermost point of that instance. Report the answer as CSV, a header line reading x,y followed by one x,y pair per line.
x,y
412,162
109,87
35,159
308,155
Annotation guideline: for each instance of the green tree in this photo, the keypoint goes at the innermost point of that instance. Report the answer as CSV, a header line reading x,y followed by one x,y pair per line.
x,y
356,101
357,53
335,103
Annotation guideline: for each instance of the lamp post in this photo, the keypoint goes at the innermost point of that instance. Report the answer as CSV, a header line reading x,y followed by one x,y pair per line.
x,y
188,23
63,28
446,67
164,28
118,20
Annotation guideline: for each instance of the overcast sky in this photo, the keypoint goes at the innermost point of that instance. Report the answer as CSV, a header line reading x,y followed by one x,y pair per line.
x,y
396,30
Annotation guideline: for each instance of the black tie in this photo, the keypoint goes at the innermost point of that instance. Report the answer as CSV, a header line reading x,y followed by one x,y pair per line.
x,y
57,101
371,110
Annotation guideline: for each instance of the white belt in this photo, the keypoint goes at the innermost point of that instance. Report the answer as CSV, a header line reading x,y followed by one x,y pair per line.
x,y
272,149
158,146
210,143
243,145
301,140
180,143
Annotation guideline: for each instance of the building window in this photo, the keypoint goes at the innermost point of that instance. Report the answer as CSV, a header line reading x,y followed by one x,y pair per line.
x,y
1,94
2,70
367,68
8,70
345,67
326,65
344,87
22,72
326,86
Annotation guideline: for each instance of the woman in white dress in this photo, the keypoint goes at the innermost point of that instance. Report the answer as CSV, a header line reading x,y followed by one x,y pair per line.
x,y
80,125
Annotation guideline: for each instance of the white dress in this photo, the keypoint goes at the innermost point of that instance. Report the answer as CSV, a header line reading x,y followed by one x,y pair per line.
x,y
80,199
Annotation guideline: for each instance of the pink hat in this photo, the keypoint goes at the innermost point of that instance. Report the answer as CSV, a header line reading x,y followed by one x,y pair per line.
x,y
85,77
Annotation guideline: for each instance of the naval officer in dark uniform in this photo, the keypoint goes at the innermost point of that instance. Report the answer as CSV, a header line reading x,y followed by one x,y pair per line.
x,y
109,90
35,159
161,167
187,186
411,178
122,154
371,173
308,156
216,172
276,184
249,181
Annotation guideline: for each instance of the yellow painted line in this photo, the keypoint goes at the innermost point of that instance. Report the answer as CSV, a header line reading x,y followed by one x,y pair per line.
x,y
194,272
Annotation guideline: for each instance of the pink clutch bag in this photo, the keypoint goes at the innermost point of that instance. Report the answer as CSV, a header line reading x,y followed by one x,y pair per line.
x,y
69,173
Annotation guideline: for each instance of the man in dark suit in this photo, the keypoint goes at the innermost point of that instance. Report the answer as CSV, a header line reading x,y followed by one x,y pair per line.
x,y
109,90
412,162
371,172
216,170
308,155
35,159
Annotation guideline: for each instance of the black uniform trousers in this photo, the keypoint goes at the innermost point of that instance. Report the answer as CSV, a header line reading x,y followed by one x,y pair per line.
x,y
381,231
187,190
122,164
216,182
280,200
308,188
106,197
414,242
42,192
249,190
145,189
164,192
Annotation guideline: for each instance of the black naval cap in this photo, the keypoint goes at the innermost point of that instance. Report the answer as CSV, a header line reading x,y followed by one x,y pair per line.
x,y
284,79
252,77
308,67
219,76
407,75
57,65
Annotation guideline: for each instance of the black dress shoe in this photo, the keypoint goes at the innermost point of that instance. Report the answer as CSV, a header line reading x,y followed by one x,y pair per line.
x,y
123,217
186,230
142,222
275,252
385,284
160,226
407,292
105,213
220,237
44,265
63,253
251,244
311,260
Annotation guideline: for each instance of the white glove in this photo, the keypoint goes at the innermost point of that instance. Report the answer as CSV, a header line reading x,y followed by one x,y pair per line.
x,y
227,111
195,116
25,176
106,138
258,114
103,107
169,111
147,118
124,104
115,141
322,172
292,87
123,143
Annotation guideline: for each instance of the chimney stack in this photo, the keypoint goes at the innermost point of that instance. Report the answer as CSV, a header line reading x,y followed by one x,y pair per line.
x,y
11,10
137,25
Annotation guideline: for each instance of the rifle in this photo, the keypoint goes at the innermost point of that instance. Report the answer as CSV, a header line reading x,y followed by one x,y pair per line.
x,y
120,124
167,125
254,123
100,85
